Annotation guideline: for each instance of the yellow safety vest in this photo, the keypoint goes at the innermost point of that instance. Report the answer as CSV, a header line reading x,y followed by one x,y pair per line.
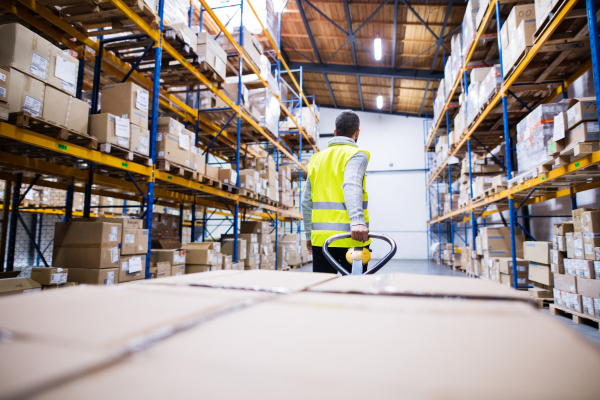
x,y
329,214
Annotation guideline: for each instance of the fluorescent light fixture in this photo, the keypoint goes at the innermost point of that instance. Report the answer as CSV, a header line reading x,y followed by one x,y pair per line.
x,y
377,46
379,101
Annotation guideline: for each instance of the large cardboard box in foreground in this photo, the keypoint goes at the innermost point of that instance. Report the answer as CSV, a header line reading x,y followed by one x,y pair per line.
x,y
174,314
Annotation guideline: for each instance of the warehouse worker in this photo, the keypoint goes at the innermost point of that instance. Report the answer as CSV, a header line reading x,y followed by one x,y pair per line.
x,y
335,199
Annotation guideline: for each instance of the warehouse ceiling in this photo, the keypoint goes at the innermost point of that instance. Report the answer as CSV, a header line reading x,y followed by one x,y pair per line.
x,y
341,70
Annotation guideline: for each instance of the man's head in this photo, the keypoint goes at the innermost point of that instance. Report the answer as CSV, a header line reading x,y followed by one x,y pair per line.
x,y
347,124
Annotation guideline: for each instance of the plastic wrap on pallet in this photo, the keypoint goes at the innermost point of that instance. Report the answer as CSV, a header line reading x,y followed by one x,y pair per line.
x,y
176,11
468,26
306,119
265,73
472,102
272,21
489,86
533,136
267,106
448,77
460,122
457,59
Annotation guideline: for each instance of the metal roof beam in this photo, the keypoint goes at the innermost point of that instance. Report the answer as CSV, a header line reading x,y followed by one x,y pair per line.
x,y
371,16
440,41
350,33
326,17
362,105
394,37
403,114
340,69
423,101
330,90
308,31
296,51
392,96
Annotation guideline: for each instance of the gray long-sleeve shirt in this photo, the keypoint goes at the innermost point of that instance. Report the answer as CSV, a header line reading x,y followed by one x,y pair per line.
x,y
352,187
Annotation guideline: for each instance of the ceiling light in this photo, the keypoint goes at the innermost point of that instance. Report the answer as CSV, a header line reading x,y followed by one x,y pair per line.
x,y
377,46
379,101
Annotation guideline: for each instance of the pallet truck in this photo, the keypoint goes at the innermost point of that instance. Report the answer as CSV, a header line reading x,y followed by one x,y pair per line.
x,y
359,256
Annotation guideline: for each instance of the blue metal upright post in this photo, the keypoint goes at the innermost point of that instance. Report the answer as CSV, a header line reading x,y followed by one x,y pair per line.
x,y
507,147
153,129
69,201
594,45
39,239
451,220
437,180
80,70
236,211
573,199
181,222
14,217
87,196
193,231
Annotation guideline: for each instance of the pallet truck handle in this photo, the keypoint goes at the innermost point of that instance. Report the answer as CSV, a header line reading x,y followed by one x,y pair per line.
x,y
377,266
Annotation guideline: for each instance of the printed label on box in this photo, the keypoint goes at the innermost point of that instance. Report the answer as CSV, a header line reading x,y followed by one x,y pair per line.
x,y
592,127
589,249
110,278
141,100
184,141
39,65
129,238
114,255
161,153
177,259
66,86
65,70
158,136
122,127
123,141
135,265
32,106
2,77
2,92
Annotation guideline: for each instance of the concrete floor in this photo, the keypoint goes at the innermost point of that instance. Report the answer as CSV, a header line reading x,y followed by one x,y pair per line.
x,y
428,268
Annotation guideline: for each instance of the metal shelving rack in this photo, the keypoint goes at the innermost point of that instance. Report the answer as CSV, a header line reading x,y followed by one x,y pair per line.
x,y
131,181
522,192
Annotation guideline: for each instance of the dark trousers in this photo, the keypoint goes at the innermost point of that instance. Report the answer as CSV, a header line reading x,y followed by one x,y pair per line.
x,y
320,263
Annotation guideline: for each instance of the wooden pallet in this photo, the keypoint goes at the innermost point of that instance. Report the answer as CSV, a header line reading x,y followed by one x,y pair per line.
x,y
518,60
229,188
211,182
124,153
247,193
176,169
577,317
40,125
541,302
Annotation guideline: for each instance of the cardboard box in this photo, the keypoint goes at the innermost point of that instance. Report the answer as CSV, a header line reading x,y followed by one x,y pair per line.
x,y
588,305
25,94
570,266
175,257
126,223
590,221
178,270
4,83
139,140
227,248
578,245
556,257
127,100
588,287
565,282
174,148
132,268
24,50
86,245
577,220
590,242
581,109
105,276
228,176
214,246
212,172
258,227
561,243
209,51
49,276
103,127
540,273
584,132
597,269
538,252
523,38
64,110
525,12
505,266
135,241
62,71
249,237
570,246
247,182
198,160
199,256
162,266
166,244
194,269
18,285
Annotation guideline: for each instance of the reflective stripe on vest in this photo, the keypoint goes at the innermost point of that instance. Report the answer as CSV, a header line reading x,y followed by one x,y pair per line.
x,y
329,214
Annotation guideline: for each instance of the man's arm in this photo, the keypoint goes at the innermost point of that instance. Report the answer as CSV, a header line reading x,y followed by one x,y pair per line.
x,y
307,206
353,195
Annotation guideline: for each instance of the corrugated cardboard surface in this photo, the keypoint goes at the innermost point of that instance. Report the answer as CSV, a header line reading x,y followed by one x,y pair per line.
x,y
24,50
325,346
105,276
120,99
25,93
421,285
64,110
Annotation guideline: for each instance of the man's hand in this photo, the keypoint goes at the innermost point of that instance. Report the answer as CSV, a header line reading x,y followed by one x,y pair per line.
x,y
359,233
309,246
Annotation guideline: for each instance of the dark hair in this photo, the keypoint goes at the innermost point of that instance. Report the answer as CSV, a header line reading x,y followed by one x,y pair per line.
x,y
347,123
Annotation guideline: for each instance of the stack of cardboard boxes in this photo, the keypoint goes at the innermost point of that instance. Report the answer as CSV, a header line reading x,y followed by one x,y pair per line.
x,y
266,247
285,186
579,124
576,262
493,248
227,249
252,252
176,259
39,79
134,248
204,256
517,35
165,227
50,277
89,249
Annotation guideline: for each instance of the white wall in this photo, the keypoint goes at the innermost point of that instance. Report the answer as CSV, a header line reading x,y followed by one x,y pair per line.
x,y
396,196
